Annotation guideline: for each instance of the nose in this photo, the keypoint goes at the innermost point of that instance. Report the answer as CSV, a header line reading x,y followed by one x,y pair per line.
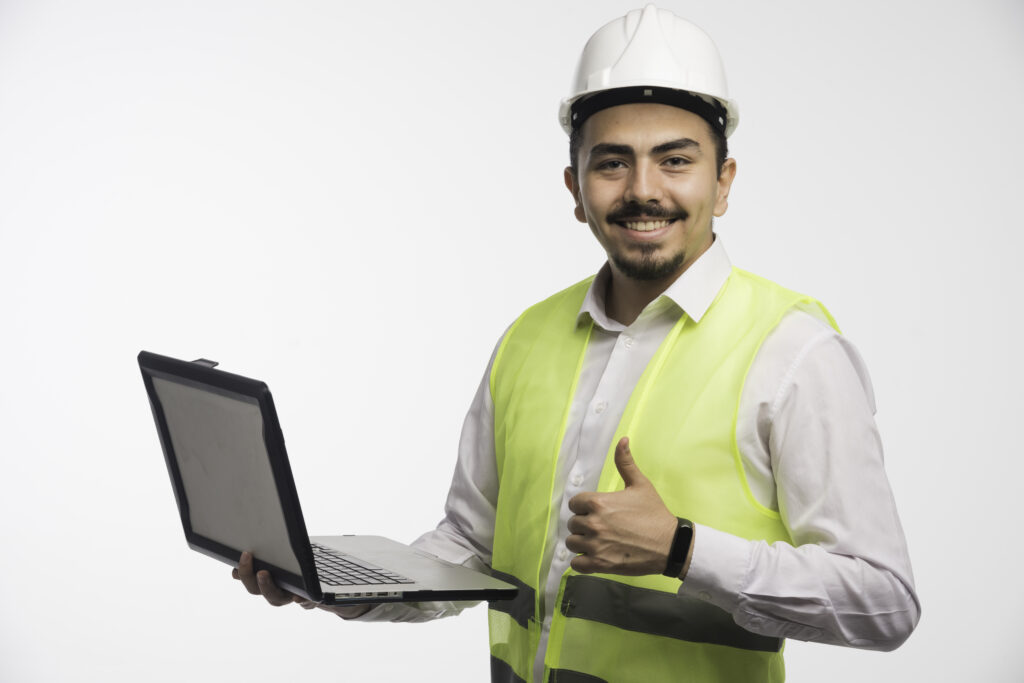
x,y
644,185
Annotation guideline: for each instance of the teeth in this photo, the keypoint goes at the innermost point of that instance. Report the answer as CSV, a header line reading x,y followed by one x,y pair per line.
x,y
645,226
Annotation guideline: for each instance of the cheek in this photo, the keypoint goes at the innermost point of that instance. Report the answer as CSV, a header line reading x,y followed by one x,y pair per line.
x,y
699,199
599,201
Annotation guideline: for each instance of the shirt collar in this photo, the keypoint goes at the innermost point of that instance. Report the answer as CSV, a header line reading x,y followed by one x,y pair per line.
x,y
693,291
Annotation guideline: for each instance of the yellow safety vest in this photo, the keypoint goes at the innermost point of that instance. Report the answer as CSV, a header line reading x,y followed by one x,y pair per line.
x,y
681,420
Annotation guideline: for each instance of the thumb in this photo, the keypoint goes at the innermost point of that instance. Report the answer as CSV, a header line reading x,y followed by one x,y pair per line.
x,y
627,467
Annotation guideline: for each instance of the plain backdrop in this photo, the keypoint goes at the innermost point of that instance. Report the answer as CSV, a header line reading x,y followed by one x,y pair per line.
x,y
351,202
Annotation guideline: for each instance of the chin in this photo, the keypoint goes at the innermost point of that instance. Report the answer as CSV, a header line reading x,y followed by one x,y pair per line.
x,y
646,269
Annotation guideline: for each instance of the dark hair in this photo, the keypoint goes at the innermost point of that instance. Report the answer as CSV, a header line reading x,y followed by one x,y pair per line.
x,y
721,147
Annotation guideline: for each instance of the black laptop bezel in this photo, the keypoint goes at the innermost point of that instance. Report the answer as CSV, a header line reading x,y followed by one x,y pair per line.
x,y
204,377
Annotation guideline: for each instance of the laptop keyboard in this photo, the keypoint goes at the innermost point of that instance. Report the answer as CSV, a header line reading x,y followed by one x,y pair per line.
x,y
344,570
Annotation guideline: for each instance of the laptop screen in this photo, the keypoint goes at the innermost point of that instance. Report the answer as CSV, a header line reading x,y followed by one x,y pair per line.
x,y
218,441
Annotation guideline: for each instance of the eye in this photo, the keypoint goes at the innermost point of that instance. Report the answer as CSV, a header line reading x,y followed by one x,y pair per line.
x,y
611,165
676,162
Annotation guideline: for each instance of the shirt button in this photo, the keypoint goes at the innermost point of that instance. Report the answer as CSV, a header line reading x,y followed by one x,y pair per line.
x,y
563,554
599,408
704,595
627,342
576,479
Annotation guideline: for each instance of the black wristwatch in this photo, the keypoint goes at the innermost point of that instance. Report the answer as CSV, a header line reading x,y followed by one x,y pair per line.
x,y
680,548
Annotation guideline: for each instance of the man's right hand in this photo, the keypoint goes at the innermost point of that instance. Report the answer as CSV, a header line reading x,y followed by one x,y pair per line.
x,y
262,583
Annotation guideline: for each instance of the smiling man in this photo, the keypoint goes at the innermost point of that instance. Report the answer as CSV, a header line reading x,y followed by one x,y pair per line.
x,y
675,460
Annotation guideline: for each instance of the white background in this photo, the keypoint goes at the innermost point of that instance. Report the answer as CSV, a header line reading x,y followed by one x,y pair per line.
x,y
351,202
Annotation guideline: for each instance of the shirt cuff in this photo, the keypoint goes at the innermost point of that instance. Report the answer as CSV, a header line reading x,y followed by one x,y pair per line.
x,y
412,611
718,567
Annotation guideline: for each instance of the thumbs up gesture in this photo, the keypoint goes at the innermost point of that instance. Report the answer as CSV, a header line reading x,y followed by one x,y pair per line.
x,y
626,532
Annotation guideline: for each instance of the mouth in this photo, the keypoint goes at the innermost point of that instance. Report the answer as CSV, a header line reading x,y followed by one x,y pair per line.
x,y
646,225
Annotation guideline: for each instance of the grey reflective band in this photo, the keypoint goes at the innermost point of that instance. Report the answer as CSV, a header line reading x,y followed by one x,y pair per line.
x,y
661,614
520,607
503,673
566,676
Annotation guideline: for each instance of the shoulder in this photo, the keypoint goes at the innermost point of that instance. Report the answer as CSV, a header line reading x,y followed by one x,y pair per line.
x,y
763,294
806,353
564,304
572,296
546,325
800,329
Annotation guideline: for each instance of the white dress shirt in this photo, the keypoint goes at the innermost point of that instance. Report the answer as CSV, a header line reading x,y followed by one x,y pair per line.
x,y
810,450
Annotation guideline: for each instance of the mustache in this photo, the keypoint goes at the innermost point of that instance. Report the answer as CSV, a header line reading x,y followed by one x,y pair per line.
x,y
636,210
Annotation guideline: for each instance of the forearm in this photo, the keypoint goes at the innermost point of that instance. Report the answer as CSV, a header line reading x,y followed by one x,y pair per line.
x,y
804,592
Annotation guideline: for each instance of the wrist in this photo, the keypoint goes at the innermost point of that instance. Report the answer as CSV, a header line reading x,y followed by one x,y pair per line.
x,y
681,550
689,553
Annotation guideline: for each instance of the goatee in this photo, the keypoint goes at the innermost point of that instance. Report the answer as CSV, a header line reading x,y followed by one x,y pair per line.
x,y
647,266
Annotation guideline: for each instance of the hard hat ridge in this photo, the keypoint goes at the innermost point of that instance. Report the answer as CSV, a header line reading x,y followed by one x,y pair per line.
x,y
647,56
651,47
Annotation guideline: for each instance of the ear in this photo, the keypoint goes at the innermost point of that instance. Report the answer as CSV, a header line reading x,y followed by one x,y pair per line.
x,y
725,179
573,185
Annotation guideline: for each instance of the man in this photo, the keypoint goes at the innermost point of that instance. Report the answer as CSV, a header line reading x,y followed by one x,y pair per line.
x,y
675,461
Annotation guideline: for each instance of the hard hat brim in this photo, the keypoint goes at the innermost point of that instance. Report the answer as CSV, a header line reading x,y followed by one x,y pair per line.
x,y
711,110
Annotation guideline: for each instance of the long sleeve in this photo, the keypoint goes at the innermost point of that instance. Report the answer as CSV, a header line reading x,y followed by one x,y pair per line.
x,y
847,578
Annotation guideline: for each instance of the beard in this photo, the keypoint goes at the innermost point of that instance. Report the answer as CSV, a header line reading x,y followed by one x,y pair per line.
x,y
641,262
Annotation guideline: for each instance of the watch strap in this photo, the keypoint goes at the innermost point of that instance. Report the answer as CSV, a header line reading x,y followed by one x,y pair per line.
x,y
680,548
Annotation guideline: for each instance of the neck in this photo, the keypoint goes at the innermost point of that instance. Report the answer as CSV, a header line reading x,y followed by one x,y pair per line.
x,y
626,297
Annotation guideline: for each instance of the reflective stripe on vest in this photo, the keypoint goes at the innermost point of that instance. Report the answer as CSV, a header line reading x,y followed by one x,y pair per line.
x,y
681,420
657,613
501,672
521,607
567,676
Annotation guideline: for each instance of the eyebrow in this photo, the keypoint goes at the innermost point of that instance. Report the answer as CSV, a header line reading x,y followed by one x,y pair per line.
x,y
605,148
676,145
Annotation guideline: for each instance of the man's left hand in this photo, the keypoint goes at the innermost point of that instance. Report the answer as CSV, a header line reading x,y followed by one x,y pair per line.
x,y
626,532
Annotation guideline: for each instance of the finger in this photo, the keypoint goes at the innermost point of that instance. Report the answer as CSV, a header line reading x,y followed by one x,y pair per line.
x,y
625,464
246,575
577,525
576,543
270,590
583,564
349,611
303,602
580,504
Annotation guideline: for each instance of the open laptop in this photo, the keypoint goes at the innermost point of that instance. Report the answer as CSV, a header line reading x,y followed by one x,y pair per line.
x,y
226,457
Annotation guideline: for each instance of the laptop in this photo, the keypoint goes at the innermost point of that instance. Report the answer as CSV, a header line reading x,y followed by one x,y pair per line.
x,y
233,484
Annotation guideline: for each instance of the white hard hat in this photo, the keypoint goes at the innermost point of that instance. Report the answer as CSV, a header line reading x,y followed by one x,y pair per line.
x,y
650,55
